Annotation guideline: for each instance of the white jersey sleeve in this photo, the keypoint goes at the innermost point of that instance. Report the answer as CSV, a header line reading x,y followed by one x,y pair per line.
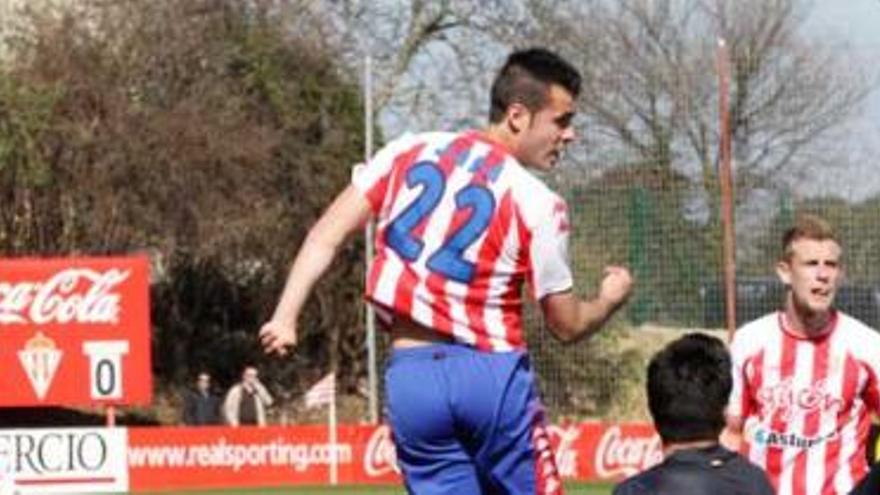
x,y
865,343
548,251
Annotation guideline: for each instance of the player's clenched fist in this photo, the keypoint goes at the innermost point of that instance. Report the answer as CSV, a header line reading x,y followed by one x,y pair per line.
x,y
277,338
616,285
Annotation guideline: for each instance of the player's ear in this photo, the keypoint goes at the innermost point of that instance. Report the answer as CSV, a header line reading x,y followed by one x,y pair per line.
x,y
783,271
519,117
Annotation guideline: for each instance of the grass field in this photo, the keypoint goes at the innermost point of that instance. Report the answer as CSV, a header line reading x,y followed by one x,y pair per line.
x,y
571,489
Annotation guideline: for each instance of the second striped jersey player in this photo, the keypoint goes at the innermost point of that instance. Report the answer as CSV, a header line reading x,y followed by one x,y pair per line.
x,y
806,377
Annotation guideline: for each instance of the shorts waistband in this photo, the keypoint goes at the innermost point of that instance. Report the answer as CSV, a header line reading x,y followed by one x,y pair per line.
x,y
434,351
439,351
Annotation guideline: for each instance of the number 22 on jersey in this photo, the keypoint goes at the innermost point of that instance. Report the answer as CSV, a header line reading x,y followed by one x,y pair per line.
x,y
448,259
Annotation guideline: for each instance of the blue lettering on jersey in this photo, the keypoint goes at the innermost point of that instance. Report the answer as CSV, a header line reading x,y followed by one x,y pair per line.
x,y
399,233
447,260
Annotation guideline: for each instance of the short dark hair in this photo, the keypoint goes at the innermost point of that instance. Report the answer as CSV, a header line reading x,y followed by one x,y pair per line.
x,y
806,227
689,384
526,77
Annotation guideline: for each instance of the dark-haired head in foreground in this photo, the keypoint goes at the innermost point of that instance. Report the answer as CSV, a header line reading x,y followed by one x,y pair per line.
x,y
689,382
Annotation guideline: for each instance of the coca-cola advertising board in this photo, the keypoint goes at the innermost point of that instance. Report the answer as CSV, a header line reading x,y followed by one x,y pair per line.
x,y
75,331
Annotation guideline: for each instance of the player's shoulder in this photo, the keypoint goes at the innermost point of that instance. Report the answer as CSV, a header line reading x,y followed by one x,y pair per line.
x,y
532,184
537,201
754,335
407,140
855,326
859,336
769,319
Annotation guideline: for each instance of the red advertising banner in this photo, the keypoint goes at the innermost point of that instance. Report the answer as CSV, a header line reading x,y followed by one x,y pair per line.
x,y
210,457
75,331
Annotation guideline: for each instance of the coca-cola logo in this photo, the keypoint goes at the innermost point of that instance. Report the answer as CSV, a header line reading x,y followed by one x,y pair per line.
x,y
78,295
621,456
564,439
787,400
380,457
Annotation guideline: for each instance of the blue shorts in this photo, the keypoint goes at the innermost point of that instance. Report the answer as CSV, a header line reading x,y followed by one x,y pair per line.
x,y
468,422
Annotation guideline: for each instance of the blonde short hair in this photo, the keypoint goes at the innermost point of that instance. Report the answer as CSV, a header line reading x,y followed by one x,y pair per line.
x,y
806,227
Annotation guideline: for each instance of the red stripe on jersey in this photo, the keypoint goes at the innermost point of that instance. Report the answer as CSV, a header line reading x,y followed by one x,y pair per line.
x,y
436,283
510,299
496,146
872,391
832,451
779,422
490,250
402,163
399,168
375,271
511,312
406,288
751,385
813,420
832,464
523,262
858,463
376,194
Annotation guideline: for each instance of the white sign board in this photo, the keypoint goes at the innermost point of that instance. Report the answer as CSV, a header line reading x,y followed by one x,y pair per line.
x,y
63,460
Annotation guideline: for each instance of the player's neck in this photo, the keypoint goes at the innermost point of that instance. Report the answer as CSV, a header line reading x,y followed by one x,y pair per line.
x,y
499,134
805,323
671,448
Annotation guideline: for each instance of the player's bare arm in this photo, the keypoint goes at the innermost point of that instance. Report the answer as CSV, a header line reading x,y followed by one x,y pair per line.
x,y
571,318
347,214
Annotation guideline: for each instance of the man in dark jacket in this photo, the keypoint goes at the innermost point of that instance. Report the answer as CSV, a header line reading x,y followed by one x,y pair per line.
x,y
201,406
689,382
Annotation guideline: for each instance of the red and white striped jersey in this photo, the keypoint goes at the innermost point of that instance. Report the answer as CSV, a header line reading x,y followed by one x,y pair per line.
x,y
460,226
806,403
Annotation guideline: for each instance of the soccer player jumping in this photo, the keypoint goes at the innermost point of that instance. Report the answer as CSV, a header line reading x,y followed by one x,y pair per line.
x,y
462,224
806,377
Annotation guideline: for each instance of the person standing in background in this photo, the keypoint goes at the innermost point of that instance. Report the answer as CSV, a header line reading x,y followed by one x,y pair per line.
x,y
247,401
201,406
